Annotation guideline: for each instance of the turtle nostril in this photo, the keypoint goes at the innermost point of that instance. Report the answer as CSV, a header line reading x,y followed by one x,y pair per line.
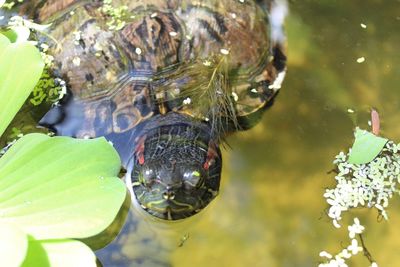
x,y
168,195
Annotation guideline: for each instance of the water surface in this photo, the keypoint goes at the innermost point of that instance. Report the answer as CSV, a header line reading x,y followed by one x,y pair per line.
x,y
270,211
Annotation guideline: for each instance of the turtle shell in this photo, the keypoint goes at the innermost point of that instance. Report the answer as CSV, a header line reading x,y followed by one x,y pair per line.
x,y
214,60
164,81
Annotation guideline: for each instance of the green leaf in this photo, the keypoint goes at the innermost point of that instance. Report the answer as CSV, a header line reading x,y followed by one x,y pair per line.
x,y
58,253
366,147
20,69
13,245
60,187
17,34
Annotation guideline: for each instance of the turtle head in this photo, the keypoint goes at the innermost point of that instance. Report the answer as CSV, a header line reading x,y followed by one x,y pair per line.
x,y
176,168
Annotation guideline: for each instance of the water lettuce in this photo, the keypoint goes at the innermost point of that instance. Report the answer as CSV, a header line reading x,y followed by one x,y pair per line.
x,y
53,190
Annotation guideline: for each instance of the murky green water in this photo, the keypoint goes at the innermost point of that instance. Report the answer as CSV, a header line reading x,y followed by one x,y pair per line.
x,y
270,211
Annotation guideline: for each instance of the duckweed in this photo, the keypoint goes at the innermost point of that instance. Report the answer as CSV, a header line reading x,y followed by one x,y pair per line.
x,y
365,185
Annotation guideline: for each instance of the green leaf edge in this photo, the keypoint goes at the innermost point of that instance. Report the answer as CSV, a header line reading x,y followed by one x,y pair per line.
x,y
25,208
366,147
13,245
23,248
16,60
46,253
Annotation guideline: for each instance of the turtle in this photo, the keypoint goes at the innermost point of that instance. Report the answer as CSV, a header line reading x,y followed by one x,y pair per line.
x,y
165,81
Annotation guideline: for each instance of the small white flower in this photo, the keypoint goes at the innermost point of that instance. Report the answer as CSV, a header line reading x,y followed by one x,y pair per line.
x,y
336,224
354,248
356,228
325,254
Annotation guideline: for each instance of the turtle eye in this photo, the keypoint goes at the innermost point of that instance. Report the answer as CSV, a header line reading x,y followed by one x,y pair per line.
x,y
148,176
192,179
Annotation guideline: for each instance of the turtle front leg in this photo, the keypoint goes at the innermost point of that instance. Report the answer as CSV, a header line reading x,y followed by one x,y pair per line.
x,y
259,92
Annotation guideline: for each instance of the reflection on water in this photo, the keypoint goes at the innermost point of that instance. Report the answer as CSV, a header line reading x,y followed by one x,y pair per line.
x,y
270,211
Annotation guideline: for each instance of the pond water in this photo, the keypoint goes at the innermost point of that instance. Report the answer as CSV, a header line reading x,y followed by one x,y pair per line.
x,y
270,211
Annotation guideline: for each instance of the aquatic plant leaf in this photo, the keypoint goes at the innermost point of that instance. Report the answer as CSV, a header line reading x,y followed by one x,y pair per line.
x,y
60,187
20,69
17,34
60,253
366,147
13,245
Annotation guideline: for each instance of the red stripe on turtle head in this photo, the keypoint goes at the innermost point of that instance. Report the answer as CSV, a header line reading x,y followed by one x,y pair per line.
x,y
211,155
139,150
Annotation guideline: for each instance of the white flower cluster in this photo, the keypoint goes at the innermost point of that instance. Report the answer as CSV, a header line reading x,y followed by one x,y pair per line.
x,y
365,185
339,260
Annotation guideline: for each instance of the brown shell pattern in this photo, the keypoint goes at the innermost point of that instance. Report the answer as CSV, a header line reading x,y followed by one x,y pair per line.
x,y
118,78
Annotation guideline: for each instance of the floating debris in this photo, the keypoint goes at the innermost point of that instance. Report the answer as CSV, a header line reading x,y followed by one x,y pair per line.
x,y
76,61
363,26
77,36
224,51
138,51
235,96
207,63
44,47
360,59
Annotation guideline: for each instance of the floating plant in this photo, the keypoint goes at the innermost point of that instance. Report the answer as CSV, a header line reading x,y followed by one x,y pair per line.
x,y
52,189
367,176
